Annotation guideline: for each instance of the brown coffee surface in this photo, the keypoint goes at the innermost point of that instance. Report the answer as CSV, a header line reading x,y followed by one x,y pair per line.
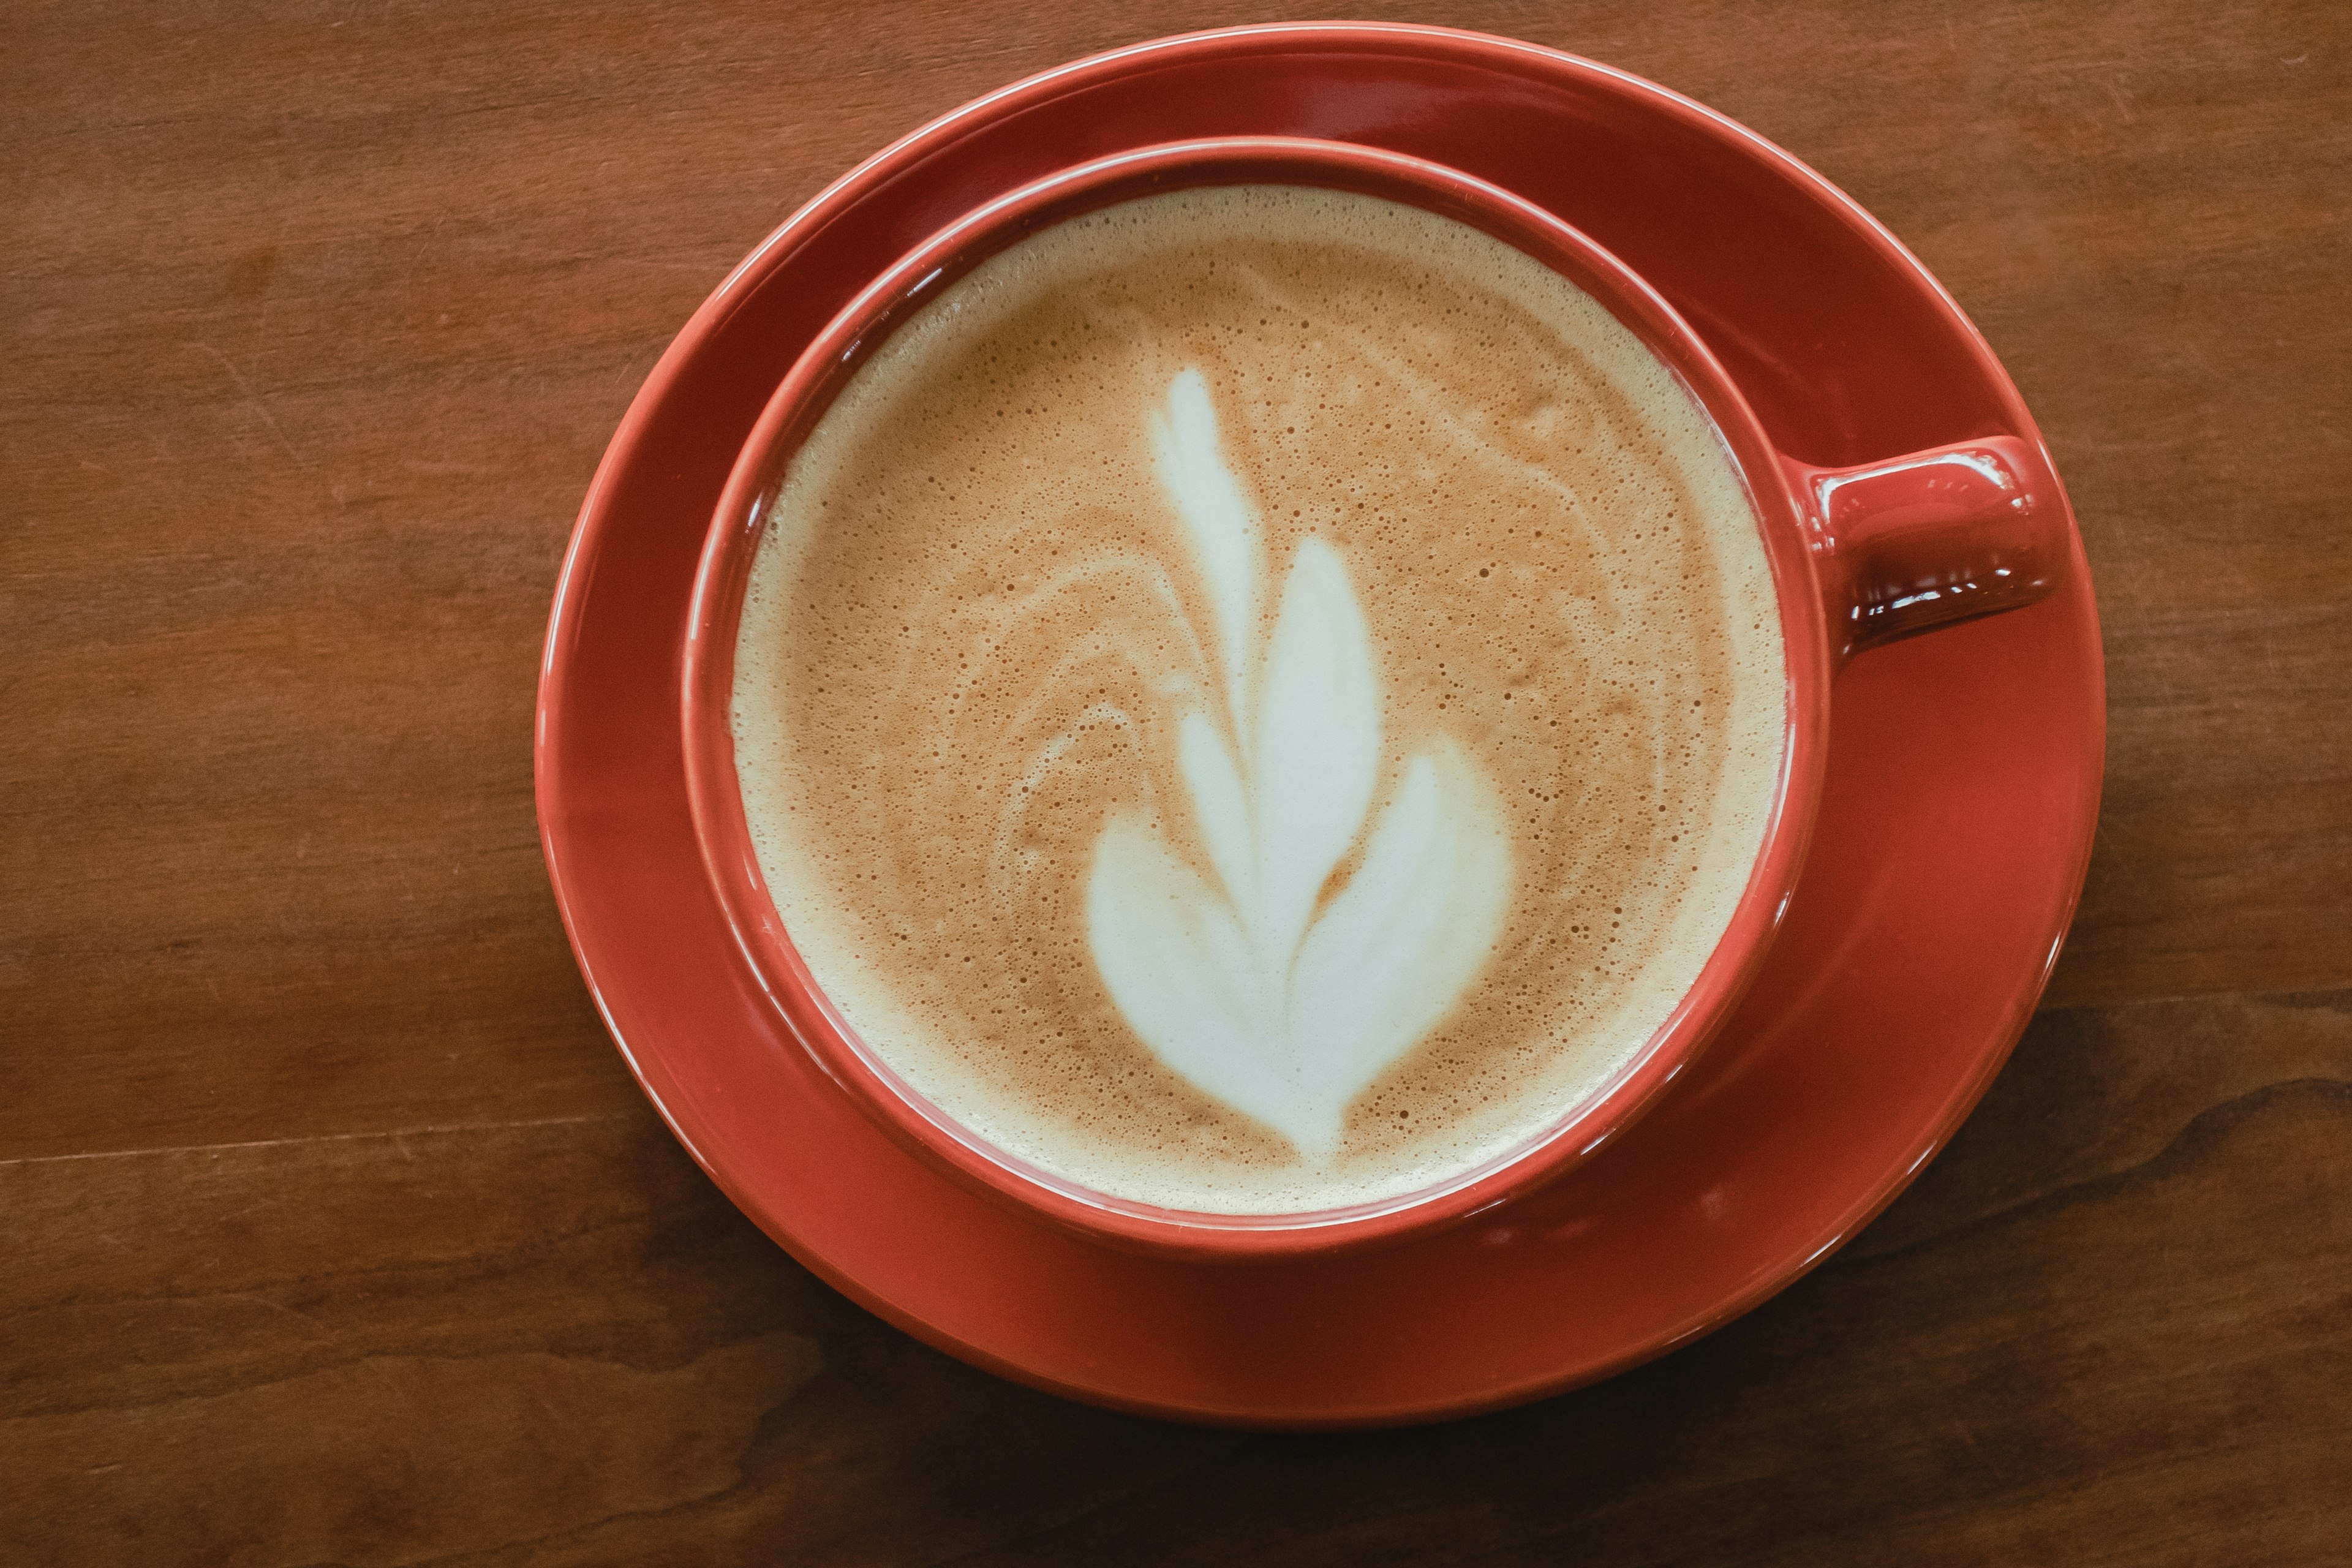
x,y
977,623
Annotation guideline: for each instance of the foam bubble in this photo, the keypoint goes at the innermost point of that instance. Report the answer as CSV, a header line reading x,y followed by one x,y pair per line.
x,y
981,621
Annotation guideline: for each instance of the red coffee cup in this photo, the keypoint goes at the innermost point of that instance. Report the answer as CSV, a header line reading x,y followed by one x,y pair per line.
x,y
1858,556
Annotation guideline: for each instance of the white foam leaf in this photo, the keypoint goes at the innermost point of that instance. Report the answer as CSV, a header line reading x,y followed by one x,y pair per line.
x,y
1246,991
1405,937
1221,806
1319,747
1180,970
1221,525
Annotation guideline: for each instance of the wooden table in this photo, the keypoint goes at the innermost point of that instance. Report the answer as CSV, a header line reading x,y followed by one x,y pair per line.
x,y
335,1230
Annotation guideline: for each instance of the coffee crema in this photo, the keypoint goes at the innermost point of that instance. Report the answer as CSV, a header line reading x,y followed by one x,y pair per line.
x,y
1259,699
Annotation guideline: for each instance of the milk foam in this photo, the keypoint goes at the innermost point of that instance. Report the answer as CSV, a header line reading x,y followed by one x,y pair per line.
x,y
1259,699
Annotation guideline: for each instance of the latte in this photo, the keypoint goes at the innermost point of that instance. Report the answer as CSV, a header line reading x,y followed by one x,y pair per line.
x,y
1259,699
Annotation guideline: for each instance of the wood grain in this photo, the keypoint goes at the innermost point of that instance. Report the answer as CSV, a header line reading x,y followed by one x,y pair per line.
x,y
335,1231
2116,1314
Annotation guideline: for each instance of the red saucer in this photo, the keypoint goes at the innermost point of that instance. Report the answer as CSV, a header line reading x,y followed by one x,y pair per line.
x,y
1963,784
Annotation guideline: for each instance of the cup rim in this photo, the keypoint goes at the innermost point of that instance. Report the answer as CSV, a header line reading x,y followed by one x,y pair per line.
x,y
825,368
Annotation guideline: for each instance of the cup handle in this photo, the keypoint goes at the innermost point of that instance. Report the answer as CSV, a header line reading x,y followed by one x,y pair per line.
x,y
1943,535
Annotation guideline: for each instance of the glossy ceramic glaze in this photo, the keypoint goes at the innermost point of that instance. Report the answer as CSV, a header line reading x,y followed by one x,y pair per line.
x,y
1922,541
1961,784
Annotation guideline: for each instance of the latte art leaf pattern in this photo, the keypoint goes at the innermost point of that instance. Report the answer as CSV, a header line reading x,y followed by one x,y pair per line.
x,y
1256,988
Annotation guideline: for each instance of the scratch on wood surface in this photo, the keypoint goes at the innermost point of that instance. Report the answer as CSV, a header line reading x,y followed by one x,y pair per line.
x,y
245,389
424,244
452,1129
